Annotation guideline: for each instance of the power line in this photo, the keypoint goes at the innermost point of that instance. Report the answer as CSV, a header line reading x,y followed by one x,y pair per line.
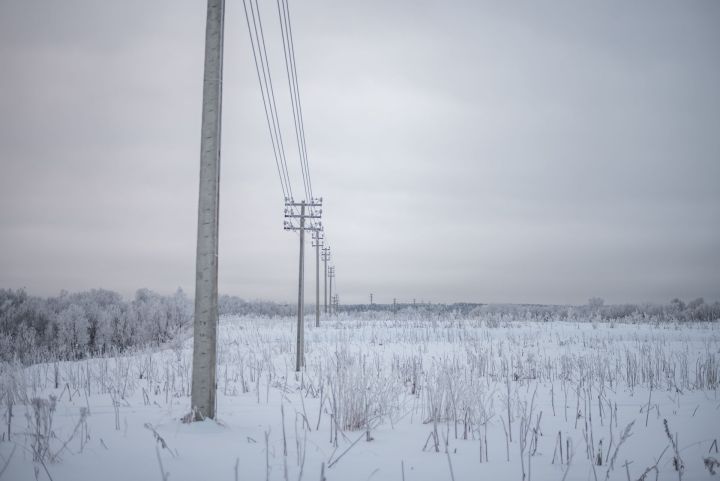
x,y
300,216
268,96
291,69
272,91
297,90
281,18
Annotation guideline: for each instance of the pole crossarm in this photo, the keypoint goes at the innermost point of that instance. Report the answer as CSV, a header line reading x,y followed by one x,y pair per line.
x,y
312,203
318,237
304,216
291,226
311,209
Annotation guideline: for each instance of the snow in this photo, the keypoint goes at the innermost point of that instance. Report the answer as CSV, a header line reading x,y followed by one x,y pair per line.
x,y
364,372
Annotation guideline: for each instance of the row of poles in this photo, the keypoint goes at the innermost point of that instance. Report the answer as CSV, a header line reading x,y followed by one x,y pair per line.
x,y
307,214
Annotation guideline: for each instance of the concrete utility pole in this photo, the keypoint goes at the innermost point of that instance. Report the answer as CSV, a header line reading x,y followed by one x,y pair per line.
x,y
317,243
326,258
336,303
206,267
300,351
291,213
331,274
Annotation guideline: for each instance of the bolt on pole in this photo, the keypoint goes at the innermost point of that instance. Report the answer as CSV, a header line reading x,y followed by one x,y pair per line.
x,y
203,401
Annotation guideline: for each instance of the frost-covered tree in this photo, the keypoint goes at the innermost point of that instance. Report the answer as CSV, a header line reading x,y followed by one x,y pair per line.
x,y
677,304
73,330
596,302
181,310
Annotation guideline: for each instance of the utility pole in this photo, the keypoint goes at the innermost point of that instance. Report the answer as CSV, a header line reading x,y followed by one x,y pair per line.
x,y
317,244
394,306
203,400
292,213
326,258
300,351
336,302
331,274
371,299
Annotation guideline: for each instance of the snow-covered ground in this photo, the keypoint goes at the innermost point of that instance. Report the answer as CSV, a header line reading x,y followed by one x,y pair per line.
x,y
382,399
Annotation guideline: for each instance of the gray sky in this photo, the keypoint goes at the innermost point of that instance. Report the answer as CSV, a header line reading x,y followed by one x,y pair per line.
x,y
467,151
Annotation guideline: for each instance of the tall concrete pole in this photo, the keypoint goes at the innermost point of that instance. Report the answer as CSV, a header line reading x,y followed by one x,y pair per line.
x,y
325,281
331,278
206,268
317,280
300,348
325,259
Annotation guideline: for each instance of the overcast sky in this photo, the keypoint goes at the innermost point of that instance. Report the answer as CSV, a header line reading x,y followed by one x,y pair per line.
x,y
467,151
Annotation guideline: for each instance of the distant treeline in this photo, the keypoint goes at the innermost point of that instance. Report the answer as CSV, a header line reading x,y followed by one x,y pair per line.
x,y
595,309
96,322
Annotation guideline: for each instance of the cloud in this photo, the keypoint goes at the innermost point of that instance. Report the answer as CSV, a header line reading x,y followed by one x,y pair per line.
x,y
467,151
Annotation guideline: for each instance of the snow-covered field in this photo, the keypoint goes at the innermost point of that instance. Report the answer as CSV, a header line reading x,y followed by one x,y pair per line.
x,y
398,399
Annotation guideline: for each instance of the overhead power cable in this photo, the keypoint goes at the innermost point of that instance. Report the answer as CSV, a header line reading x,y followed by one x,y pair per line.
x,y
262,68
291,69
